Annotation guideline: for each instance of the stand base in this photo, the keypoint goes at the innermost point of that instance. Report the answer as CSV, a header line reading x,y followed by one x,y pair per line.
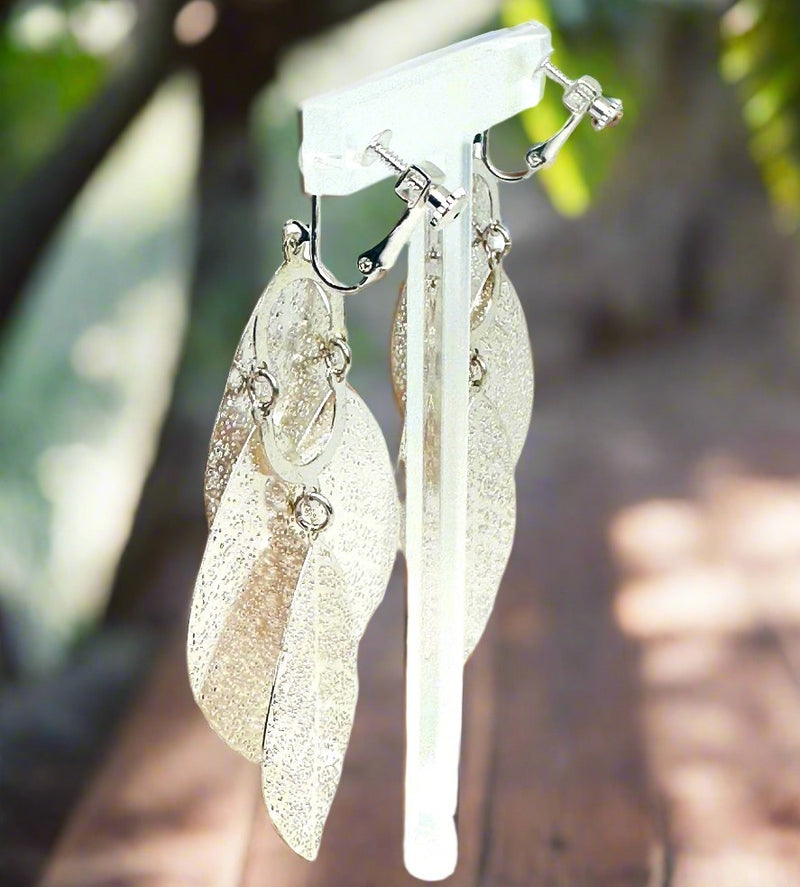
x,y
431,847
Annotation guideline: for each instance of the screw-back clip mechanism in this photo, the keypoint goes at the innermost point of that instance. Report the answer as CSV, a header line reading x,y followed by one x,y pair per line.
x,y
582,97
419,186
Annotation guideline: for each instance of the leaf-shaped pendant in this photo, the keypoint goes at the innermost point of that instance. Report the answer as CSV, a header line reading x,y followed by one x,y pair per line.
x,y
505,352
316,684
281,600
501,377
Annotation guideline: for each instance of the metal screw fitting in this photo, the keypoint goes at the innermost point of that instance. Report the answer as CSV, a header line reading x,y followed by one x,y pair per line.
x,y
604,111
416,182
378,149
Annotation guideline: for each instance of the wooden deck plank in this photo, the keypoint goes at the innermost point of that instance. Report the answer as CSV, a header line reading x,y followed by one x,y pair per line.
x,y
569,796
716,618
170,805
724,754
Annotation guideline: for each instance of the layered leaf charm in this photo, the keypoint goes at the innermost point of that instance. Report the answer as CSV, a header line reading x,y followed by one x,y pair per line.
x,y
501,400
303,518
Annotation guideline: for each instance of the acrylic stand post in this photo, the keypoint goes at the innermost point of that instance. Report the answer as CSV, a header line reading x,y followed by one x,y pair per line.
x,y
433,106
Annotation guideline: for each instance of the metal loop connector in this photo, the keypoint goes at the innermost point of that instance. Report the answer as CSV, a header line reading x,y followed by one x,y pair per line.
x,y
477,369
295,236
373,263
418,183
338,358
496,240
312,511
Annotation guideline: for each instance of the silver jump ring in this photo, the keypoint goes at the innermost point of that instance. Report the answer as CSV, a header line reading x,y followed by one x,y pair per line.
x,y
312,511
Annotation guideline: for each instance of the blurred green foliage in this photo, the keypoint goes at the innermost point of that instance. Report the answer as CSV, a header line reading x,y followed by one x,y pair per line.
x,y
40,91
760,41
86,376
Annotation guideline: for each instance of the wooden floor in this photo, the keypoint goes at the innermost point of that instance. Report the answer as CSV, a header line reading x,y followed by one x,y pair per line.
x,y
633,714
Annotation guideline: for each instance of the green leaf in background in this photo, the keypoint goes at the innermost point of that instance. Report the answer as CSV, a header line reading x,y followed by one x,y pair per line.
x,y
759,54
40,91
583,163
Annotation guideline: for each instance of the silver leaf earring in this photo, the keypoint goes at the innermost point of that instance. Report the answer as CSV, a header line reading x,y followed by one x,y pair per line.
x,y
501,376
303,528
501,397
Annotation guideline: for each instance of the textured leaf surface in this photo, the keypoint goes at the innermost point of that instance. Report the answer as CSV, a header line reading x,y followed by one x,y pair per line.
x,y
498,418
500,333
250,568
491,515
316,684
252,564
233,423
294,320
291,335
506,350
312,706
276,619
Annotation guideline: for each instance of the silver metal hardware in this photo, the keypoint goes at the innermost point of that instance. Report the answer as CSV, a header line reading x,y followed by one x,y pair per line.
x,y
582,97
295,234
496,240
585,95
338,358
312,511
316,260
418,182
373,263
416,185
262,387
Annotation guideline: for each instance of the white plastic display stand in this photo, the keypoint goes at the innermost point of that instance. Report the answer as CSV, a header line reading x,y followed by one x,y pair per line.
x,y
433,106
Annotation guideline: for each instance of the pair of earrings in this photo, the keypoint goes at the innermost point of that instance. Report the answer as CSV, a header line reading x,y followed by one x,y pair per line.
x,y
300,493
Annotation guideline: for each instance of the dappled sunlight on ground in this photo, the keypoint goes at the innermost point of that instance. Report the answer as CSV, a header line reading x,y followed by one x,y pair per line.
x,y
711,591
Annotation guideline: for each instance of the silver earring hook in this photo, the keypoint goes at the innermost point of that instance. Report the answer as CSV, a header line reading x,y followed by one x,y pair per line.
x,y
582,97
316,260
417,187
502,174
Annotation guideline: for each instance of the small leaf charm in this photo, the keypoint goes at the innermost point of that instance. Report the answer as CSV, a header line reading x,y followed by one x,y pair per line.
x,y
234,421
312,707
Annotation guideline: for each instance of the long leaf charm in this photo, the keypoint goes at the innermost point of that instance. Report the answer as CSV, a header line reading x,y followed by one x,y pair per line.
x,y
501,389
303,517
